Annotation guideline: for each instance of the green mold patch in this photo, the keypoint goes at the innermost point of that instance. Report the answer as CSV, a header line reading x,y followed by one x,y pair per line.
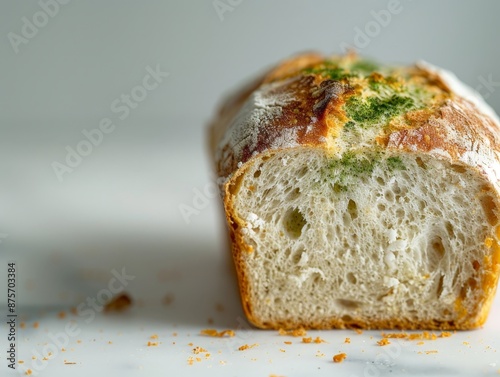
x,y
376,110
351,167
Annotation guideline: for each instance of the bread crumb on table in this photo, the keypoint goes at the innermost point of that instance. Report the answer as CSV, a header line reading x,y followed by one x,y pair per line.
x,y
36,325
246,346
287,342
383,342
118,304
198,350
347,340
340,357
307,340
152,344
61,314
154,336
28,372
217,334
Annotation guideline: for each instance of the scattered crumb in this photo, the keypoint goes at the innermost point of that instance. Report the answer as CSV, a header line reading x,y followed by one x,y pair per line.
x,y
383,342
21,361
282,350
174,334
445,334
246,346
431,351
190,344
36,325
296,332
118,303
320,354
215,333
339,357
33,357
288,342
78,341
318,340
22,325
198,350
465,343
154,336
168,299
110,342
222,362
347,340
275,375
307,340
358,331
420,343
61,314
69,362
190,360
152,344
63,349
28,372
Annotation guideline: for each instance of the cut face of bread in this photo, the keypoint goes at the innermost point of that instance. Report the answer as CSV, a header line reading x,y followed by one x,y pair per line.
x,y
361,195
367,239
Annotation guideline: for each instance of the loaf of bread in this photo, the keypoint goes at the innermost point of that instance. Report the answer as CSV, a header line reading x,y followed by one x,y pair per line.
x,y
360,195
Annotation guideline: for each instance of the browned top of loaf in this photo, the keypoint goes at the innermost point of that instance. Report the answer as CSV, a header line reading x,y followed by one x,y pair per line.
x,y
343,103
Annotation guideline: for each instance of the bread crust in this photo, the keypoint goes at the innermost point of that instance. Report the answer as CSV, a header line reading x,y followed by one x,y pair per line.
x,y
311,115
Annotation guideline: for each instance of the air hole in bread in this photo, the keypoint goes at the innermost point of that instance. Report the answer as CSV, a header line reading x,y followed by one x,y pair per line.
x,y
347,304
351,278
257,173
439,289
389,196
293,194
475,265
293,223
352,208
436,252
490,209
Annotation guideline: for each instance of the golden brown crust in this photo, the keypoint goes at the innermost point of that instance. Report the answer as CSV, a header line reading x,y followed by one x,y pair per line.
x,y
307,110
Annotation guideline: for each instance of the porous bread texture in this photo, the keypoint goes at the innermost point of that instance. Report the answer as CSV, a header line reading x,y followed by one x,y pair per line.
x,y
378,240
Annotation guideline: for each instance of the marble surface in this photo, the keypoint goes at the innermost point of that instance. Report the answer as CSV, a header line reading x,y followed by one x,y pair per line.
x,y
121,216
